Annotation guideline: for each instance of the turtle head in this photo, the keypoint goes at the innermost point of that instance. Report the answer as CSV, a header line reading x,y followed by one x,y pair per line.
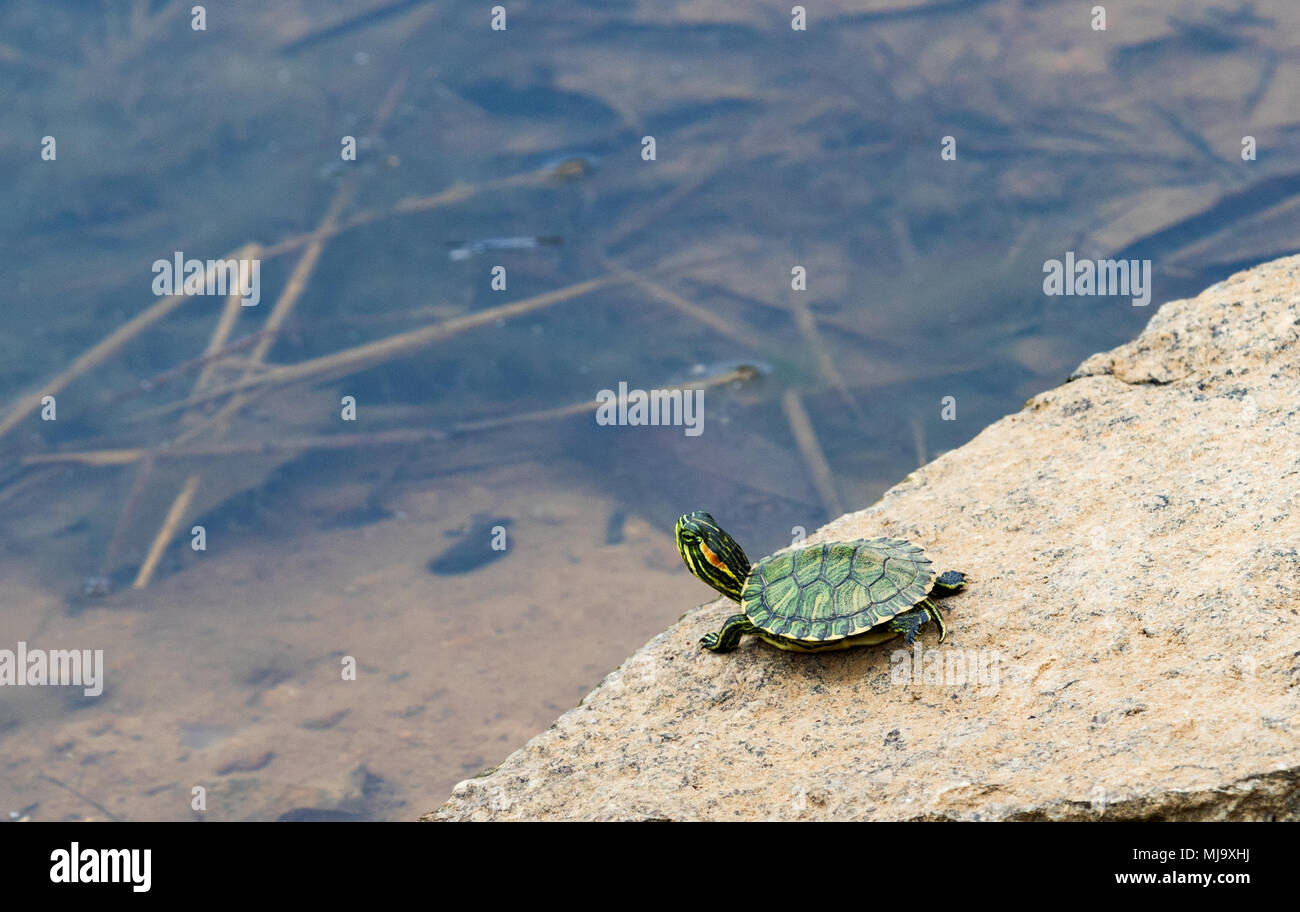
x,y
712,554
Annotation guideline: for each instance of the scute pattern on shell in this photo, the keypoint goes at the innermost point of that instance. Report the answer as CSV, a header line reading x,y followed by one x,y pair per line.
x,y
827,592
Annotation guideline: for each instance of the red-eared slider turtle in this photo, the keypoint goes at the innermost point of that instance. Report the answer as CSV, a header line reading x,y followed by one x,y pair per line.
x,y
817,598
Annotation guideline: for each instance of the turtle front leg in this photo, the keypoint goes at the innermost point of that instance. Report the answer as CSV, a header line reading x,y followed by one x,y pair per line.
x,y
909,623
725,640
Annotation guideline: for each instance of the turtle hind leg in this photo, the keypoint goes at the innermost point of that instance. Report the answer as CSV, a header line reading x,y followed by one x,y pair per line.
x,y
726,639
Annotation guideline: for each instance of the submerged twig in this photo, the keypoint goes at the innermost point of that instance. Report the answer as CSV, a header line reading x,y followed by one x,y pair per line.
x,y
350,24
401,436
811,450
24,483
170,524
138,487
25,404
284,304
216,342
280,312
350,360
149,384
91,801
727,328
93,357
807,324
457,193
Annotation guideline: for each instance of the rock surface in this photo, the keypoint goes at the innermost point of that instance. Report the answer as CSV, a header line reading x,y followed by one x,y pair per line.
x,y
1130,648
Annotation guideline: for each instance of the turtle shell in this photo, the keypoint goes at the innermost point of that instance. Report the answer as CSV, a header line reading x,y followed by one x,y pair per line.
x,y
828,592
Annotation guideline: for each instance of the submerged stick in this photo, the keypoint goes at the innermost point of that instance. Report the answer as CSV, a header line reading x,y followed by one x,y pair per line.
x,y
238,448
742,373
401,436
98,458
456,193
138,487
24,405
807,324
25,483
350,360
91,801
352,23
284,304
168,530
149,384
217,342
811,450
647,215
220,334
93,357
694,311
306,266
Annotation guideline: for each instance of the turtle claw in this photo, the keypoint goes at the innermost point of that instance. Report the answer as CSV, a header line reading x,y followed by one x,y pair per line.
x,y
909,624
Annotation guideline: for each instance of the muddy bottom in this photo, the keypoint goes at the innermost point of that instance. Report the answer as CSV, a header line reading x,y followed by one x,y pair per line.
x,y
230,675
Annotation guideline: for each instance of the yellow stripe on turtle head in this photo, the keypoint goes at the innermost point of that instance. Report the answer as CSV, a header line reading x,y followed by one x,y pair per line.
x,y
711,554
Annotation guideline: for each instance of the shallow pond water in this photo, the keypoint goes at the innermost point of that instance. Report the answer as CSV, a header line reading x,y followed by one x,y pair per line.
x,y
422,541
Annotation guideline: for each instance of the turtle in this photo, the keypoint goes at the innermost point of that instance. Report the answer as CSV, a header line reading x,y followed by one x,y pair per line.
x,y
819,597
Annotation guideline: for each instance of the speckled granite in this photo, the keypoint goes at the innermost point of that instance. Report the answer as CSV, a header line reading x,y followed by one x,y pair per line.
x,y
1130,648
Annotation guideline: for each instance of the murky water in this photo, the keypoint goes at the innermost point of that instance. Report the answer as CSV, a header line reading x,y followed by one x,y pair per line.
x,y
348,642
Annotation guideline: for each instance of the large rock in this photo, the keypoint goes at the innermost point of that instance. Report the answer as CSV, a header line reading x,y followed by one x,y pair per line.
x,y
1130,647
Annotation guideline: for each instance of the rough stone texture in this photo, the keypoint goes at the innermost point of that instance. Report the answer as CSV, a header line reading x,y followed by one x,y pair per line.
x,y
1133,538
